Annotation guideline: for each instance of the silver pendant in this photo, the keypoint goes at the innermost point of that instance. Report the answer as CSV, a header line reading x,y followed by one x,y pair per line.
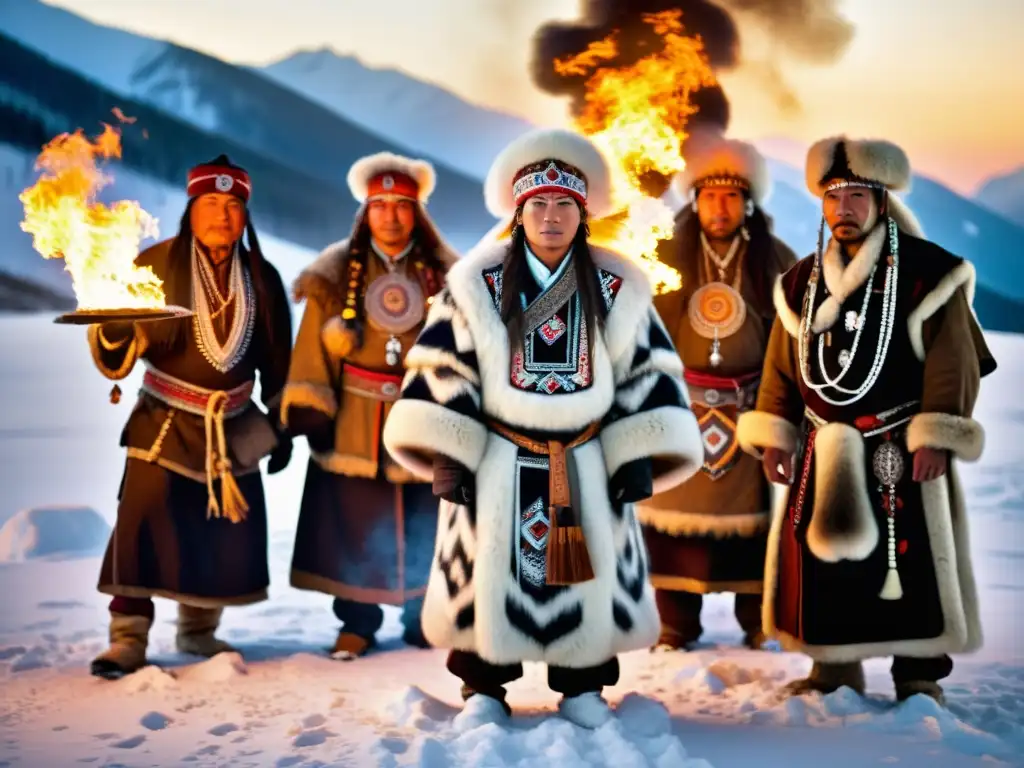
x,y
392,351
715,358
852,321
887,464
844,357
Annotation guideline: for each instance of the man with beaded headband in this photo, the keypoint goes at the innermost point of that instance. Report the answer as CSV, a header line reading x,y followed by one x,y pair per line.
x,y
708,534
544,398
191,519
870,379
366,524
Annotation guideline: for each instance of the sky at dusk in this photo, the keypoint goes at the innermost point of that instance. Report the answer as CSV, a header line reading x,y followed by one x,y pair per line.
x,y
945,80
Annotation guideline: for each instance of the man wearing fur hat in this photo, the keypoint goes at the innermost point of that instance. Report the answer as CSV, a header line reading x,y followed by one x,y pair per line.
x,y
871,376
366,526
709,534
191,519
544,398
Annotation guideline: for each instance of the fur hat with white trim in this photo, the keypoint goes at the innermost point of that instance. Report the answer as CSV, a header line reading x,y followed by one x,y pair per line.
x,y
387,175
548,160
874,163
713,160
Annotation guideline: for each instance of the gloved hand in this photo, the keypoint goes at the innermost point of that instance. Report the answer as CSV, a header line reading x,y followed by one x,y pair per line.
x,y
632,482
280,456
453,481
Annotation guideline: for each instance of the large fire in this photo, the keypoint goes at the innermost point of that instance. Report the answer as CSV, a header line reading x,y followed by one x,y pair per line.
x,y
636,115
98,243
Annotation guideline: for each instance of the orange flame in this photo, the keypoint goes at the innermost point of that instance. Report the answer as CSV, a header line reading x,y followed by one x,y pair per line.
x,y
636,115
98,243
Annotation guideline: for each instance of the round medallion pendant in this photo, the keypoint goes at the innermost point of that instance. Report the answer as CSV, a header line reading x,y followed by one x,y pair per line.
x,y
887,463
717,307
394,304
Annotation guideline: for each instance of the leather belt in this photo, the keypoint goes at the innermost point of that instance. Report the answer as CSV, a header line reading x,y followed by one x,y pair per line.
x,y
558,470
716,391
372,384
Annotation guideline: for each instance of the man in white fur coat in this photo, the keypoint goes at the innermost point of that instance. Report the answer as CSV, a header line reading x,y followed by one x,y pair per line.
x,y
543,397
871,376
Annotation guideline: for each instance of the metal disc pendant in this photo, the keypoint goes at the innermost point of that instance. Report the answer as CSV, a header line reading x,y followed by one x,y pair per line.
x,y
852,321
888,463
394,304
844,357
716,310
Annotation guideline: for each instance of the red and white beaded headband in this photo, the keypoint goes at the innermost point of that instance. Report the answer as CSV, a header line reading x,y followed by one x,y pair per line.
x,y
550,179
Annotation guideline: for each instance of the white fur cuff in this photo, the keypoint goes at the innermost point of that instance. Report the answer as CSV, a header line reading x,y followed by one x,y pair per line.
x,y
668,435
416,430
757,430
964,436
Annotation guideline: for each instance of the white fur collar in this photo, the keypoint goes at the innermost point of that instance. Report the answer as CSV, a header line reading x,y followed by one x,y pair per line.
x,y
613,352
843,281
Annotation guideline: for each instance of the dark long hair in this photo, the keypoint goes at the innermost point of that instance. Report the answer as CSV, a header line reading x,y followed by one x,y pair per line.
x,y
516,276
761,264
265,281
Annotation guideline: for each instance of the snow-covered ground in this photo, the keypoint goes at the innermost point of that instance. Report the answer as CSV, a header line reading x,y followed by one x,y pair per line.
x,y
287,704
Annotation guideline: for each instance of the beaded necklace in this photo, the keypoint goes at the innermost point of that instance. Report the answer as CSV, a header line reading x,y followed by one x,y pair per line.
x,y
881,348
223,357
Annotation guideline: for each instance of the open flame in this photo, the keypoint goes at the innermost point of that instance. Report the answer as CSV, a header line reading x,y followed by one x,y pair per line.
x,y
98,243
636,115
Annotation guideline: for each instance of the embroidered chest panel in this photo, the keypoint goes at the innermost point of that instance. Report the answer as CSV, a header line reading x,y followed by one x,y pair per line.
x,y
555,357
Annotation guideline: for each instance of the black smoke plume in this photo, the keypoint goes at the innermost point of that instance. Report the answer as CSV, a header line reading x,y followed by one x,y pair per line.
x,y
808,29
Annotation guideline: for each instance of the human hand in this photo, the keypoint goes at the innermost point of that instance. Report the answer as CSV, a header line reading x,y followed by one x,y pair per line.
x,y
929,464
773,459
280,456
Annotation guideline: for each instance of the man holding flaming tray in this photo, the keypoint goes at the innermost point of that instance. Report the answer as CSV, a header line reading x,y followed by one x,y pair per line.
x,y
191,519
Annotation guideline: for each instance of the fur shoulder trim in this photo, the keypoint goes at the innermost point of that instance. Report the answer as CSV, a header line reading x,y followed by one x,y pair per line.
x,y
328,267
632,304
962,275
549,144
874,159
788,294
718,156
365,168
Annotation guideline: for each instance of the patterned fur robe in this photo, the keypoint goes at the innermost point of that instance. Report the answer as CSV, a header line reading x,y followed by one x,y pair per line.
x,y
459,375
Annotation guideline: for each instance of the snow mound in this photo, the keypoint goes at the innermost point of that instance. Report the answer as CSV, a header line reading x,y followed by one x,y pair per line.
x,y
53,532
639,734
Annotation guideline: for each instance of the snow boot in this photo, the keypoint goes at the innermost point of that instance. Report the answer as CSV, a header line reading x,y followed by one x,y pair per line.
x,y
828,678
588,710
480,709
351,646
195,631
913,687
129,636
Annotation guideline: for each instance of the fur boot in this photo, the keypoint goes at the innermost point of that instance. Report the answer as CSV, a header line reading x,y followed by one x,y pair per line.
x,y
195,631
828,678
129,637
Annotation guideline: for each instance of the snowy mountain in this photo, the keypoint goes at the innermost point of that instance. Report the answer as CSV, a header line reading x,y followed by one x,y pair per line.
x,y
106,55
158,81
1004,195
422,116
